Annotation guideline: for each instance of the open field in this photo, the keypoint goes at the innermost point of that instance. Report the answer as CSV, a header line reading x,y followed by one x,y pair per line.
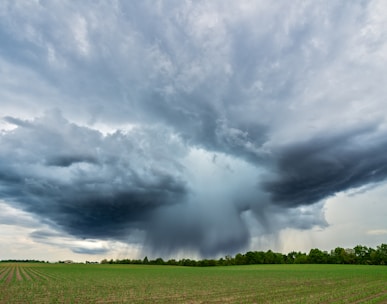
x,y
78,283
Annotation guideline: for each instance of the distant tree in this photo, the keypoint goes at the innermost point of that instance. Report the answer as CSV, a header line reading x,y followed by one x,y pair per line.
x,y
250,258
171,262
301,258
363,254
187,262
206,263
291,257
279,258
229,260
240,259
379,256
342,256
382,249
255,257
271,257
125,261
158,261
316,256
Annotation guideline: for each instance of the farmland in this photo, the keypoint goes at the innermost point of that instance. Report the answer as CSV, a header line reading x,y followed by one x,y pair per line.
x,y
80,283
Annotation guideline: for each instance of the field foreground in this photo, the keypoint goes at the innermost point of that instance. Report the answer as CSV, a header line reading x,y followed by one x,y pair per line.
x,y
79,283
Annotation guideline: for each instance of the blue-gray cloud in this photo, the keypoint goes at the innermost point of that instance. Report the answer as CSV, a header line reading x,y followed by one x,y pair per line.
x,y
310,171
104,186
293,90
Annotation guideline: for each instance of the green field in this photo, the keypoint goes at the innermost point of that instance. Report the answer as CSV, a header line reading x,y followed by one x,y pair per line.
x,y
79,283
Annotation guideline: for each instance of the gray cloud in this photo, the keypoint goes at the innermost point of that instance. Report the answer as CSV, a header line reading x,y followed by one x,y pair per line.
x,y
288,96
320,167
58,239
107,192
84,250
68,160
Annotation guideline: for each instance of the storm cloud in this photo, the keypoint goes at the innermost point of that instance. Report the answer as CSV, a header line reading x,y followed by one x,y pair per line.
x,y
310,171
188,127
89,184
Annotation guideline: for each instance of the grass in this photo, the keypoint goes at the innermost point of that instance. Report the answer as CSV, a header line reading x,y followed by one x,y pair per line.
x,y
78,283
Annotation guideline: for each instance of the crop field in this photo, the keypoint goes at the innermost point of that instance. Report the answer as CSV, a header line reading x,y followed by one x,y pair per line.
x,y
81,283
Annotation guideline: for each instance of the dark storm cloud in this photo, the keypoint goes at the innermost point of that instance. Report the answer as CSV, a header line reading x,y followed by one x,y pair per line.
x,y
110,187
104,193
310,171
68,160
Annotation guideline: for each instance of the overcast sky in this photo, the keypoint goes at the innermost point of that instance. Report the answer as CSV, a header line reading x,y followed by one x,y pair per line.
x,y
191,128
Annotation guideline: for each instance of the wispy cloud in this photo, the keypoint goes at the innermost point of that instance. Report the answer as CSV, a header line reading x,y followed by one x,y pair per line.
x,y
377,232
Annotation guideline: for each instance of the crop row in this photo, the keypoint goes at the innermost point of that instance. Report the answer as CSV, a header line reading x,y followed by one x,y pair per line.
x,y
16,272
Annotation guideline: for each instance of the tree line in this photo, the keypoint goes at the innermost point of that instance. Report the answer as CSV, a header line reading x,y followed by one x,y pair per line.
x,y
361,255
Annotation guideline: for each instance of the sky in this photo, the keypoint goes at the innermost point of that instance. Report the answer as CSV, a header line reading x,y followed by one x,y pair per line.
x,y
191,128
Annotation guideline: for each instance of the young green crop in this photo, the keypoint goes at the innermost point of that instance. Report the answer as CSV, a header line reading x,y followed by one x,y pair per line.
x,y
79,283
